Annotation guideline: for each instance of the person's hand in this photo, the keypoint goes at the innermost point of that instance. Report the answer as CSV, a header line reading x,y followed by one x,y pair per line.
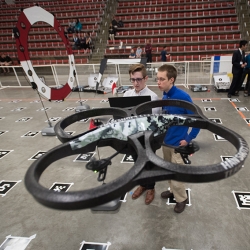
x,y
183,143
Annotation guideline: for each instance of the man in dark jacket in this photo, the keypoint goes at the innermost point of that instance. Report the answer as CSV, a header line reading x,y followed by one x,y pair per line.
x,y
148,51
238,61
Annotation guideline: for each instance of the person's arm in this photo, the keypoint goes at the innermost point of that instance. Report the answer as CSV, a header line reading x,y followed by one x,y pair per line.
x,y
194,131
192,135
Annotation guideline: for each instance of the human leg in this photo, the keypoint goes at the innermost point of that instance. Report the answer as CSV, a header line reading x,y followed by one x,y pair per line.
x,y
235,85
247,87
243,78
167,155
177,189
150,57
150,188
8,64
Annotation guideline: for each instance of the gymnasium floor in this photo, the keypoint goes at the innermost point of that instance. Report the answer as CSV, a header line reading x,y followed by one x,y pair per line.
x,y
212,220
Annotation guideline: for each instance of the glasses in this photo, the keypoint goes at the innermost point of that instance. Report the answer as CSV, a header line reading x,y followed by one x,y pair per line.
x,y
138,80
160,79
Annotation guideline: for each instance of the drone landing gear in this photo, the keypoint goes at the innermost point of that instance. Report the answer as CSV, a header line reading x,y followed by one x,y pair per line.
x,y
100,166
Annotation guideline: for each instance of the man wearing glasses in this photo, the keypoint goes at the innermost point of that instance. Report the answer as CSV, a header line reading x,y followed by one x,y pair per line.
x,y
176,135
138,76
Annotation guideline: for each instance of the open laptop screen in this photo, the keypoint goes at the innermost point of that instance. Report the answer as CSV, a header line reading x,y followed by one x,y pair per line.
x,y
127,102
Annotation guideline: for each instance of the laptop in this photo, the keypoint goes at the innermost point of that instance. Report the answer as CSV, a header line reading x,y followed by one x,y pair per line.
x,y
128,102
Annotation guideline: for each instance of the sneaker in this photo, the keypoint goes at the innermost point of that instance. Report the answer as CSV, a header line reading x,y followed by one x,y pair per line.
x,y
246,94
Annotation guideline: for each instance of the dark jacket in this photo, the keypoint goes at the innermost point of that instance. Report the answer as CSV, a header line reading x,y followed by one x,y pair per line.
x,y
148,48
237,60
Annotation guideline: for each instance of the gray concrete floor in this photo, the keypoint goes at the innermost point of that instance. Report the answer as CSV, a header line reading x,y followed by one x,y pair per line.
x,y
212,221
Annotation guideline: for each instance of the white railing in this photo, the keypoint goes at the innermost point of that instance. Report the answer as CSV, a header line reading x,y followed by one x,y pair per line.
x,y
189,73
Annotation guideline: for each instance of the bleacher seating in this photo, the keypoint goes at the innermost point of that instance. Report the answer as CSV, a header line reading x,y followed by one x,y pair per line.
x,y
45,45
190,28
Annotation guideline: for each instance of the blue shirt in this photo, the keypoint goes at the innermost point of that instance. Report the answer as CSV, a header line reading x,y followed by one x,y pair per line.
x,y
177,133
163,56
247,58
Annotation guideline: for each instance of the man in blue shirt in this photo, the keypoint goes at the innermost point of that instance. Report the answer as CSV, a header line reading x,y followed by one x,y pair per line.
x,y
176,135
164,54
